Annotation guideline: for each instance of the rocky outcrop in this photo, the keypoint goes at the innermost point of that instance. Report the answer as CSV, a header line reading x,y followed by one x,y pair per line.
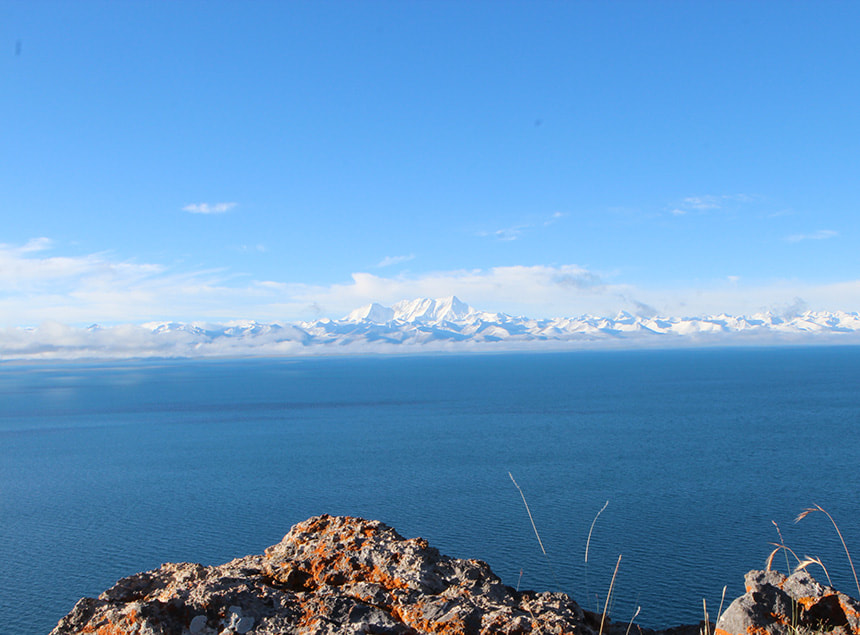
x,y
333,575
328,575
795,605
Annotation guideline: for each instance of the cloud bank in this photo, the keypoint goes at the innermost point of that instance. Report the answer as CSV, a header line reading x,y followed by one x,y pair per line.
x,y
206,208
40,287
421,326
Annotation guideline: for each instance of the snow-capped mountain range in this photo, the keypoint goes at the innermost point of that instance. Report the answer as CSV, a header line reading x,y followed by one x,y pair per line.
x,y
423,325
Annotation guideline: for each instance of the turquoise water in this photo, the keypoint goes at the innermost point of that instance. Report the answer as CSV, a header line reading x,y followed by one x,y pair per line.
x,y
106,470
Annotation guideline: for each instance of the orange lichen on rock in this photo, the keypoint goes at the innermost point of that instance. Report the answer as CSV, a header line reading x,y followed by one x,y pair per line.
x,y
779,618
808,602
848,609
414,616
385,579
105,629
310,614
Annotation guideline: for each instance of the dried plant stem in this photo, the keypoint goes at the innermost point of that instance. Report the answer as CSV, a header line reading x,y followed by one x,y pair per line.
x,y
782,543
588,542
815,507
609,595
707,628
630,625
532,520
787,549
722,599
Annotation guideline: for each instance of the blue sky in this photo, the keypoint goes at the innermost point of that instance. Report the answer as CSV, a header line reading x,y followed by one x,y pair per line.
x,y
294,160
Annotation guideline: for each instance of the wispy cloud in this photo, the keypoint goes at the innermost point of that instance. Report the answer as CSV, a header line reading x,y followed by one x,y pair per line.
x,y
394,260
206,208
38,286
260,248
709,202
506,235
36,244
702,202
514,232
510,233
554,218
821,234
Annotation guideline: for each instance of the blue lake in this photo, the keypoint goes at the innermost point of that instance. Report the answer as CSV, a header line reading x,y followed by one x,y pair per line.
x,y
109,469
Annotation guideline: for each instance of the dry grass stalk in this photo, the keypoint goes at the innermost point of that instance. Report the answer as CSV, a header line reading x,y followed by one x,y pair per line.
x,y
588,541
630,624
529,512
706,629
810,560
819,508
532,520
782,542
609,595
722,599
587,544
779,548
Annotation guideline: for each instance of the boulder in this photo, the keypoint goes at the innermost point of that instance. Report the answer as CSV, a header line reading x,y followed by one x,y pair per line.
x,y
775,604
329,575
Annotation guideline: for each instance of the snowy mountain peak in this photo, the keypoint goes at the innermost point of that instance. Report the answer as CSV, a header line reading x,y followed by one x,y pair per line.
x,y
443,324
450,309
373,312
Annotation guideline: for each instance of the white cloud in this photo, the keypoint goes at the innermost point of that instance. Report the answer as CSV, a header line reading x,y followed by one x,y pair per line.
x,y
821,234
260,248
511,233
38,287
394,260
37,244
35,287
702,202
515,232
710,202
525,290
553,218
206,208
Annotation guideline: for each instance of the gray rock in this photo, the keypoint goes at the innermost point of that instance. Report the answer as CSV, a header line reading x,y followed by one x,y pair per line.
x,y
778,605
338,575
197,625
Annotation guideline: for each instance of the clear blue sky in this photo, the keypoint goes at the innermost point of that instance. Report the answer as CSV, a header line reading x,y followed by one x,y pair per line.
x,y
292,160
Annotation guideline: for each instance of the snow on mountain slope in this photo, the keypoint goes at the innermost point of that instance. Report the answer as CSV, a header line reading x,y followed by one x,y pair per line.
x,y
445,324
373,312
449,309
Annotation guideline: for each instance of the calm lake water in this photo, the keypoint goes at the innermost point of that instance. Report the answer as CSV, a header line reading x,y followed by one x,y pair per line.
x,y
110,469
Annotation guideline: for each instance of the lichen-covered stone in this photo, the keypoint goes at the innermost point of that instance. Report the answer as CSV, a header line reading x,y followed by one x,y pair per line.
x,y
329,575
778,605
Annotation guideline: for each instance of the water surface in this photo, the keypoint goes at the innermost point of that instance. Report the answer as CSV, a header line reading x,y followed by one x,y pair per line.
x,y
109,469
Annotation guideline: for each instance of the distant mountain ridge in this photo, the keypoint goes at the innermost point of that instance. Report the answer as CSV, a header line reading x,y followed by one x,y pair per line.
x,y
424,325
424,310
